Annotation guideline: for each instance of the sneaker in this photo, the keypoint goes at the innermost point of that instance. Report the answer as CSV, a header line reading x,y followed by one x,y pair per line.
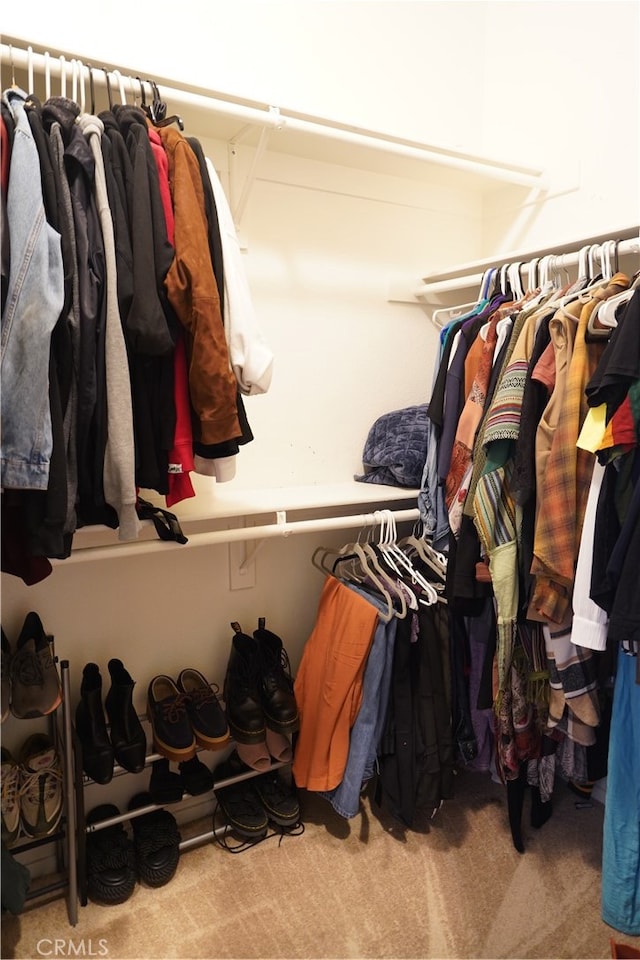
x,y
40,786
207,718
35,684
167,711
5,699
10,798
278,799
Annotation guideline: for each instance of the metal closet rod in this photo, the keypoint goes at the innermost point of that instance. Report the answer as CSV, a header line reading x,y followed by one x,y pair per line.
x,y
563,259
16,55
282,528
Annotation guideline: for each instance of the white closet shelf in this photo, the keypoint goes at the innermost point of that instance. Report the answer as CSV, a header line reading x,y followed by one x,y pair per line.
x,y
236,120
468,276
228,515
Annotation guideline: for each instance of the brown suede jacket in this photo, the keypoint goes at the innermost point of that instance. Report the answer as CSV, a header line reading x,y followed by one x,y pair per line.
x,y
192,291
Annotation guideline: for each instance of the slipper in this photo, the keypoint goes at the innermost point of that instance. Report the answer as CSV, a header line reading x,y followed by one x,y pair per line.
x,y
110,859
156,841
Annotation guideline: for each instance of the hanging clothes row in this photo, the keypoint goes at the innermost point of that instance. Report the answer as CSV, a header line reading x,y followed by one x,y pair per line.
x,y
373,685
128,332
530,487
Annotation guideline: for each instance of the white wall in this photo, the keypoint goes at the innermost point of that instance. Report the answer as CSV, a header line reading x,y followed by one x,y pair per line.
x,y
562,91
392,65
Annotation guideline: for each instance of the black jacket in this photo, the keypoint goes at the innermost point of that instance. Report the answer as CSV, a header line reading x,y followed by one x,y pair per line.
x,y
91,430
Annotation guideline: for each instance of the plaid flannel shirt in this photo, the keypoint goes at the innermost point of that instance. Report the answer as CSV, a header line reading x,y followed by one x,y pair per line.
x,y
564,487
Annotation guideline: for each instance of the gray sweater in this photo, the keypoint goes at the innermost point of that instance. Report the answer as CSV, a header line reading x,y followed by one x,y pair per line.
x,y
119,457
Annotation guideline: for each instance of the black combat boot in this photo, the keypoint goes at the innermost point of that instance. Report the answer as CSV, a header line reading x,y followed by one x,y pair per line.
x,y
241,690
276,684
127,736
91,727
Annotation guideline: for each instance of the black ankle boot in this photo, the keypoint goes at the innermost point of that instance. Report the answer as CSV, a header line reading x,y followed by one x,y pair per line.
x,y
276,683
91,727
241,692
127,736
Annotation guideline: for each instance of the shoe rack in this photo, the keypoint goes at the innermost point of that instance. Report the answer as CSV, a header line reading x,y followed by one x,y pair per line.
x,y
82,781
64,837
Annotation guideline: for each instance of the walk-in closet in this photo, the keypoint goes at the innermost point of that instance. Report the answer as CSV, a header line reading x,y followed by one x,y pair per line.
x,y
320,419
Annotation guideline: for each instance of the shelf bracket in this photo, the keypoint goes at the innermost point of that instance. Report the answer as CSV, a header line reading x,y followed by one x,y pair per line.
x,y
276,122
281,520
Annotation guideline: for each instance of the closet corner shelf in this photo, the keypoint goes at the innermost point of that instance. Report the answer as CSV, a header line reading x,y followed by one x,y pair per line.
x,y
228,514
468,276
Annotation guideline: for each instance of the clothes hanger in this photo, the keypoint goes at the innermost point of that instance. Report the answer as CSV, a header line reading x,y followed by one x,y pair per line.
x,y
377,577
91,89
157,109
562,267
108,83
143,99
485,285
505,289
47,76
120,82
515,280
134,92
83,101
74,80
425,552
14,85
444,315
389,545
395,586
30,69
604,318
375,580
532,274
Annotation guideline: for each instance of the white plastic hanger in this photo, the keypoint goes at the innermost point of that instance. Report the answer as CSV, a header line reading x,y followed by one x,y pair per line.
x,y
74,80
82,88
607,311
532,274
430,557
30,69
485,284
393,586
444,315
389,546
515,281
504,284
120,81
47,76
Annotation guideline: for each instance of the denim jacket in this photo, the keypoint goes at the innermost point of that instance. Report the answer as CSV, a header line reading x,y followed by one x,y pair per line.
x,y
35,297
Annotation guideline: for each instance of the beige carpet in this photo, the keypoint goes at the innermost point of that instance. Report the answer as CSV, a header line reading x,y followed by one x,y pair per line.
x,y
362,889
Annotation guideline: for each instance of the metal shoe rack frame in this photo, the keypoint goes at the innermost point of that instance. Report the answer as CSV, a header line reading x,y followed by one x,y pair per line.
x,y
65,834
83,829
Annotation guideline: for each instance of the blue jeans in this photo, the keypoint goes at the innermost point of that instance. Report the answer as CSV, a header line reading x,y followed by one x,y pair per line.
x,y
34,301
367,729
621,837
431,499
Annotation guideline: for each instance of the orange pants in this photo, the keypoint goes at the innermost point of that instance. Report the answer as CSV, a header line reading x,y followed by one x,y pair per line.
x,y
328,685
